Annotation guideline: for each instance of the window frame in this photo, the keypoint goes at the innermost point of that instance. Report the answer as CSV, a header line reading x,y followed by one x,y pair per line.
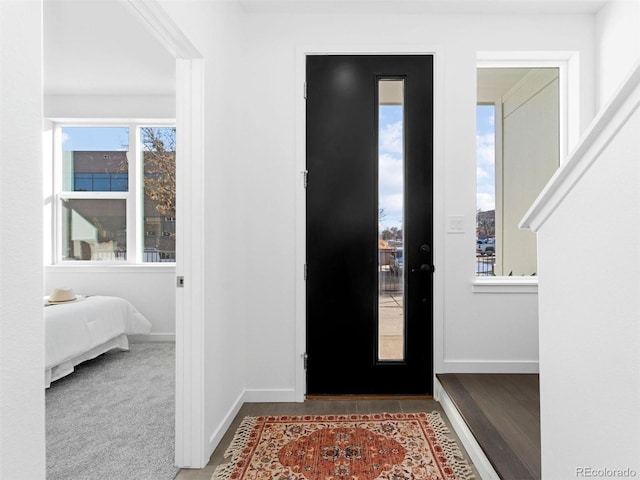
x,y
134,196
568,65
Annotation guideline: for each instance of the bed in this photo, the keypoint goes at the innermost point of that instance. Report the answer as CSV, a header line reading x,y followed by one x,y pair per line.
x,y
83,329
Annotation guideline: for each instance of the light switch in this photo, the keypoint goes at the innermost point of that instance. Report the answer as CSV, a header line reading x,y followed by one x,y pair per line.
x,y
455,224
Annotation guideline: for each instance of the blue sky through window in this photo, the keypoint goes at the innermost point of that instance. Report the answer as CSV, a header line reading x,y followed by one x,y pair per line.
x,y
95,139
390,165
485,161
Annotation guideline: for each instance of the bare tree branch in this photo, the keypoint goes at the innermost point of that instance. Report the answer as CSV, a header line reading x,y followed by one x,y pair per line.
x,y
160,167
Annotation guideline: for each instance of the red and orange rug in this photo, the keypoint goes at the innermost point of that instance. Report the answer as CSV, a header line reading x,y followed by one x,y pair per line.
x,y
399,446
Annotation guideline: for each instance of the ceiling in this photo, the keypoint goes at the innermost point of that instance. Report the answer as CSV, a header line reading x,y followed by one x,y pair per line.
x,y
98,47
425,6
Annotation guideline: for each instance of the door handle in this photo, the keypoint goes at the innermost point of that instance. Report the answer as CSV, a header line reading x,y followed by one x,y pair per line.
x,y
424,268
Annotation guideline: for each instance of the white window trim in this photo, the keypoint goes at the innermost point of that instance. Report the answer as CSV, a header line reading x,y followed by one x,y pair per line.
x,y
134,197
109,267
568,65
505,285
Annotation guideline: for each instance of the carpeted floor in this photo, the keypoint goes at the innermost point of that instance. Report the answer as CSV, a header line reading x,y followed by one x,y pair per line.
x,y
113,418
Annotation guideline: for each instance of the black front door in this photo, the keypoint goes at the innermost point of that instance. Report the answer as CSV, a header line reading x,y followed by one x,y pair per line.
x,y
369,134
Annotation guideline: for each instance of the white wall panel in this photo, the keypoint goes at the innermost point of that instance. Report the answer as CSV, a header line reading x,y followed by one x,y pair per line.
x,y
110,106
98,47
589,310
22,428
618,45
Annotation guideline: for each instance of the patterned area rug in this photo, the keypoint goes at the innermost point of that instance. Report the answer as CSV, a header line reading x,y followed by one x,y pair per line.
x,y
400,446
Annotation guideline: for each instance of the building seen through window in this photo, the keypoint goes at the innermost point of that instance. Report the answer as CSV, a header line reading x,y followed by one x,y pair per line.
x,y
159,166
98,194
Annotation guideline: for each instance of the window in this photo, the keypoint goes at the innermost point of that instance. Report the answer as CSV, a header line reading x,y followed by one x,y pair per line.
x,y
159,184
391,337
517,152
485,189
115,193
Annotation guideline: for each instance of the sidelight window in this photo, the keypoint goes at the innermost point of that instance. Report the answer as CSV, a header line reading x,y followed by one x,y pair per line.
x,y
517,152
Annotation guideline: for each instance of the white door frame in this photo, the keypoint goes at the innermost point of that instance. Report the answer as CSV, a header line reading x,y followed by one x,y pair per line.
x,y
191,444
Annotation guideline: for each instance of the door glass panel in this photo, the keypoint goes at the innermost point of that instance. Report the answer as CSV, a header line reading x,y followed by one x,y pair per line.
x,y
391,276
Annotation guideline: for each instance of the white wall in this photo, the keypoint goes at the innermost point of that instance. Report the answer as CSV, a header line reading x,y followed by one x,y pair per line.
x,y
618,45
22,444
217,31
100,47
589,308
252,173
480,332
252,170
110,106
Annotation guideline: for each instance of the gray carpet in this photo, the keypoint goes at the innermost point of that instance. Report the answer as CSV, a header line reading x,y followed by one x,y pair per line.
x,y
113,418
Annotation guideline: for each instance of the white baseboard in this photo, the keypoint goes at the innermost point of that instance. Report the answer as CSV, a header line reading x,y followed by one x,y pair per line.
x,y
479,459
153,337
470,366
219,432
270,395
248,396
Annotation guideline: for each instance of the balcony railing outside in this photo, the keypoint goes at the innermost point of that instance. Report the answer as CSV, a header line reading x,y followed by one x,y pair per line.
x,y
485,265
151,255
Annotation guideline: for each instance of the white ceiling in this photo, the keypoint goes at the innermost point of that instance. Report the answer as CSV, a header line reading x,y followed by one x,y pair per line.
x,y
424,6
98,47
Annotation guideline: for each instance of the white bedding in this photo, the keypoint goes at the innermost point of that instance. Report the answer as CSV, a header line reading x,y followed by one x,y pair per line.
x,y
84,329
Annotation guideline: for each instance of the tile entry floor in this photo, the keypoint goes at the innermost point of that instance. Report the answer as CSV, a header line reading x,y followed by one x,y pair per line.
x,y
320,407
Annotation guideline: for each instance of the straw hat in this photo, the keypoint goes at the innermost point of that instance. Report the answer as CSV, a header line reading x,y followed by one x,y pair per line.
x,y
62,295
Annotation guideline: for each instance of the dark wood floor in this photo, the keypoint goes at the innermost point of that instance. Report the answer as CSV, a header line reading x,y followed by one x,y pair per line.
x,y
503,413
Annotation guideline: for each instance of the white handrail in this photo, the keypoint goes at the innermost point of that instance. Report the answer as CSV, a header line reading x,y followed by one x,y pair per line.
x,y
600,132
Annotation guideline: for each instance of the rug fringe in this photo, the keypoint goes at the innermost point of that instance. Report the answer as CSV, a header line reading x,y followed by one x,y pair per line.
x,y
239,442
451,449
